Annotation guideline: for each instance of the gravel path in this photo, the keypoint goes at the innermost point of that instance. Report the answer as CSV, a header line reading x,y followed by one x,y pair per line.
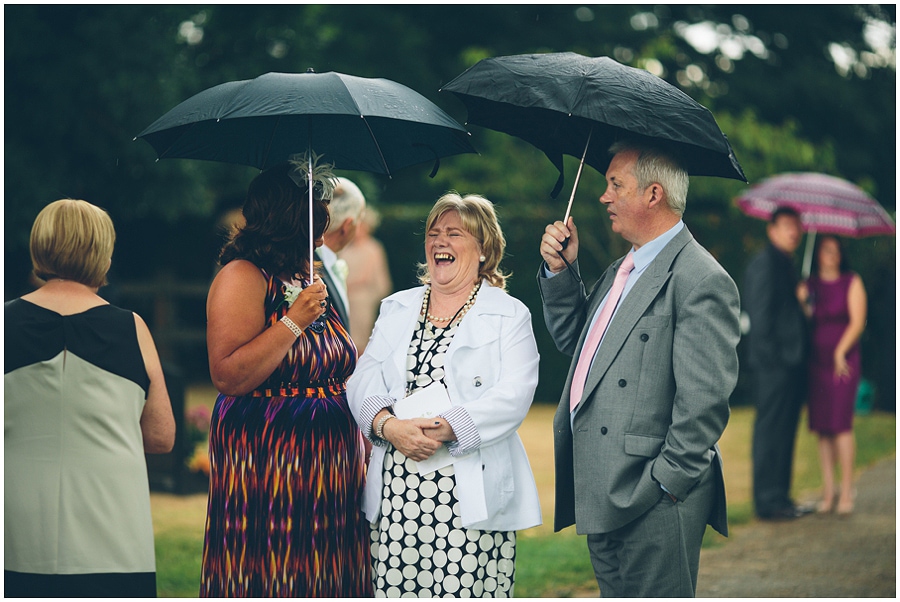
x,y
815,556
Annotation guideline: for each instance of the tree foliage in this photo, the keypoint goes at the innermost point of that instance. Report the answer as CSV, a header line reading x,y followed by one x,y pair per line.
x,y
794,87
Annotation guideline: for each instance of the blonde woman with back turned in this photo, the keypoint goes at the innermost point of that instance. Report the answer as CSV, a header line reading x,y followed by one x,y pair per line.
x,y
85,398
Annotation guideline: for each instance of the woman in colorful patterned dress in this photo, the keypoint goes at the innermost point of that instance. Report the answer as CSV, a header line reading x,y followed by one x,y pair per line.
x,y
448,527
286,457
835,300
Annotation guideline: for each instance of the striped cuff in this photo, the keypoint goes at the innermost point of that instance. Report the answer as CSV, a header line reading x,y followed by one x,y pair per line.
x,y
467,437
370,408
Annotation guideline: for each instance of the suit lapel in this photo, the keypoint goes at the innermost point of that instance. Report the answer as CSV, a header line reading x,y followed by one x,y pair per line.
x,y
334,297
632,308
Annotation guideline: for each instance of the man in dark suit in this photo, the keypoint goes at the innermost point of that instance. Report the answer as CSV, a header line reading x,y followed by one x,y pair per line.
x,y
345,213
777,350
638,468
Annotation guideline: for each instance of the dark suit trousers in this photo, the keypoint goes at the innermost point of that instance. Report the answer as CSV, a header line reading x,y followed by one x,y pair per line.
x,y
779,397
657,555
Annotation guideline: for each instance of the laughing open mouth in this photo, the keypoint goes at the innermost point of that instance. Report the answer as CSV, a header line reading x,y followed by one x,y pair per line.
x,y
443,258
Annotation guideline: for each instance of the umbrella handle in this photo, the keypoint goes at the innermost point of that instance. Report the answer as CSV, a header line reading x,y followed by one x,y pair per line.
x,y
565,243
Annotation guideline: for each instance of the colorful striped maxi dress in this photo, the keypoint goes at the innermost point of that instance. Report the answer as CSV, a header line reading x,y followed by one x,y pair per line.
x,y
286,477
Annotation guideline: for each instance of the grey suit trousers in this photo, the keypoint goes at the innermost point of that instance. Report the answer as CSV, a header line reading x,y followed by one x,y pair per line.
x,y
657,555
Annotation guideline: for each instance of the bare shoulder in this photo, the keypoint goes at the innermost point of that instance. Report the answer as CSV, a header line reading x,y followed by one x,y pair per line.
x,y
856,286
240,269
239,274
145,339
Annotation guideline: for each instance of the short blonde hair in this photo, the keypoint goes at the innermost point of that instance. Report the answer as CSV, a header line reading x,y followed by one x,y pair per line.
x,y
480,220
74,240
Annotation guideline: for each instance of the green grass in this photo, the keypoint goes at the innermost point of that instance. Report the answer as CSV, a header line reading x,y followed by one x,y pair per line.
x,y
178,556
557,564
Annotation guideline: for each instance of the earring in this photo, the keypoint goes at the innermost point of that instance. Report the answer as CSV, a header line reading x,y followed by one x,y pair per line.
x,y
481,259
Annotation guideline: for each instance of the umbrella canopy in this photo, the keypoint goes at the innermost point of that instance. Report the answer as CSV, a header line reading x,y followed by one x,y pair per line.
x,y
354,123
559,102
825,203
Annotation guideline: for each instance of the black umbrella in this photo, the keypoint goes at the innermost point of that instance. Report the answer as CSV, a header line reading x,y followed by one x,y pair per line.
x,y
568,104
354,123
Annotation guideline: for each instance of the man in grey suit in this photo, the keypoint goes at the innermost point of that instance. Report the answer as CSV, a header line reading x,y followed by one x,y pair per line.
x,y
345,213
638,468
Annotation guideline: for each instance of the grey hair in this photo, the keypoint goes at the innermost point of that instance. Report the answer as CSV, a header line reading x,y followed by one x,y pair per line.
x,y
655,165
347,201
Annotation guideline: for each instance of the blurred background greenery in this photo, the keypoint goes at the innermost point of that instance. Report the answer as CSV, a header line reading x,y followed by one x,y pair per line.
x,y
795,88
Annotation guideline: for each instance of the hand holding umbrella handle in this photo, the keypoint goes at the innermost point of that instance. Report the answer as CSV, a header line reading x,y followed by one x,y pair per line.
x,y
310,305
553,246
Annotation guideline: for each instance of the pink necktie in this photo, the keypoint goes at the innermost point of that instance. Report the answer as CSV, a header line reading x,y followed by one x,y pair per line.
x,y
593,339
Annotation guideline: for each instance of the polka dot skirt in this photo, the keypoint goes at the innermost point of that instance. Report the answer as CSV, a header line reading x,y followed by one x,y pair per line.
x,y
420,548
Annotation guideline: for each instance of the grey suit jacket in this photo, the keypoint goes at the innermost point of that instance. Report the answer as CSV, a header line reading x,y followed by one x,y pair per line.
x,y
656,398
334,298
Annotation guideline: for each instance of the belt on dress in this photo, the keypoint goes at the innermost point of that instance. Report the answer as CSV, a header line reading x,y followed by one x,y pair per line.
x,y
328,387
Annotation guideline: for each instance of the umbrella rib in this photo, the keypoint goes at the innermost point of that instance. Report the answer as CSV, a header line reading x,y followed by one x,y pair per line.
x,y
271,139
387,169
171,145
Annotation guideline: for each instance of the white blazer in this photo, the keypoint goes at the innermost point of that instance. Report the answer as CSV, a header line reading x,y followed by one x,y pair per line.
x,y
492,372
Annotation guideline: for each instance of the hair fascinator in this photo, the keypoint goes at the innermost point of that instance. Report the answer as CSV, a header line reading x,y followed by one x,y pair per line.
x,y
323,179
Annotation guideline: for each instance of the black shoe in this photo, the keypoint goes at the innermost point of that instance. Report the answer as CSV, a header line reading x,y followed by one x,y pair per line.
x,y
787,513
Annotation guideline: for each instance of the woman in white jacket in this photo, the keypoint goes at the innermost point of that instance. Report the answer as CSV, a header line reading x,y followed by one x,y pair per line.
x,y
448,480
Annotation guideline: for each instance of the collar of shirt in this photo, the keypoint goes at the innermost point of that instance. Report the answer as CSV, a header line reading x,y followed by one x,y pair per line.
x,y
644,256
328,256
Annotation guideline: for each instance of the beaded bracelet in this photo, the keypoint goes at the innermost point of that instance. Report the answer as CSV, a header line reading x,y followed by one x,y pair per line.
x,y
379,428
291,325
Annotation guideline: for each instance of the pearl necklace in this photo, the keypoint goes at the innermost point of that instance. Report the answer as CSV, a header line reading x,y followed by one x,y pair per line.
x,y
459,313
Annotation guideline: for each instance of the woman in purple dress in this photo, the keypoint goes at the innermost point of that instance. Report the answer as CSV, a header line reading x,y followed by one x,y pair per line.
x,y
835,301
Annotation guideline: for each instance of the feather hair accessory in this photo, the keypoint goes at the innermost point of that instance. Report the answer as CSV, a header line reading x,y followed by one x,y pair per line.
x,y
323,178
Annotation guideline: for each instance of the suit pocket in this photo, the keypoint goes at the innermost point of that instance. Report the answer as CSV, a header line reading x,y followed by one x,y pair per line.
x,y
646,446
657,321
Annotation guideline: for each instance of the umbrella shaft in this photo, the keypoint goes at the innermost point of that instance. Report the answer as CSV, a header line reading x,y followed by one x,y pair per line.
x,y
309,180
808,255
578,175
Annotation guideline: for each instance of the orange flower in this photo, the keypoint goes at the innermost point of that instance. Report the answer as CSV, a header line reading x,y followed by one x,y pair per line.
x,y
199,462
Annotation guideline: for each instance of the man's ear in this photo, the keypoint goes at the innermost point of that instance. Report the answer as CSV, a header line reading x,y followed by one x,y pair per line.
x,y
346,226
655,195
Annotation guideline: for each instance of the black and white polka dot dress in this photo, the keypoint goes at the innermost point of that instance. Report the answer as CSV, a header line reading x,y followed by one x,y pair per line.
x,y
419,546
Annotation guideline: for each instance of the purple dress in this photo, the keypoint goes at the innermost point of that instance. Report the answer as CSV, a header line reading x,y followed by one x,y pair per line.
x,y
831,402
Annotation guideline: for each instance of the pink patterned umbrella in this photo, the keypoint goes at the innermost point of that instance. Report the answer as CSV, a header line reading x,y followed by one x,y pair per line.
x,y
826,204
